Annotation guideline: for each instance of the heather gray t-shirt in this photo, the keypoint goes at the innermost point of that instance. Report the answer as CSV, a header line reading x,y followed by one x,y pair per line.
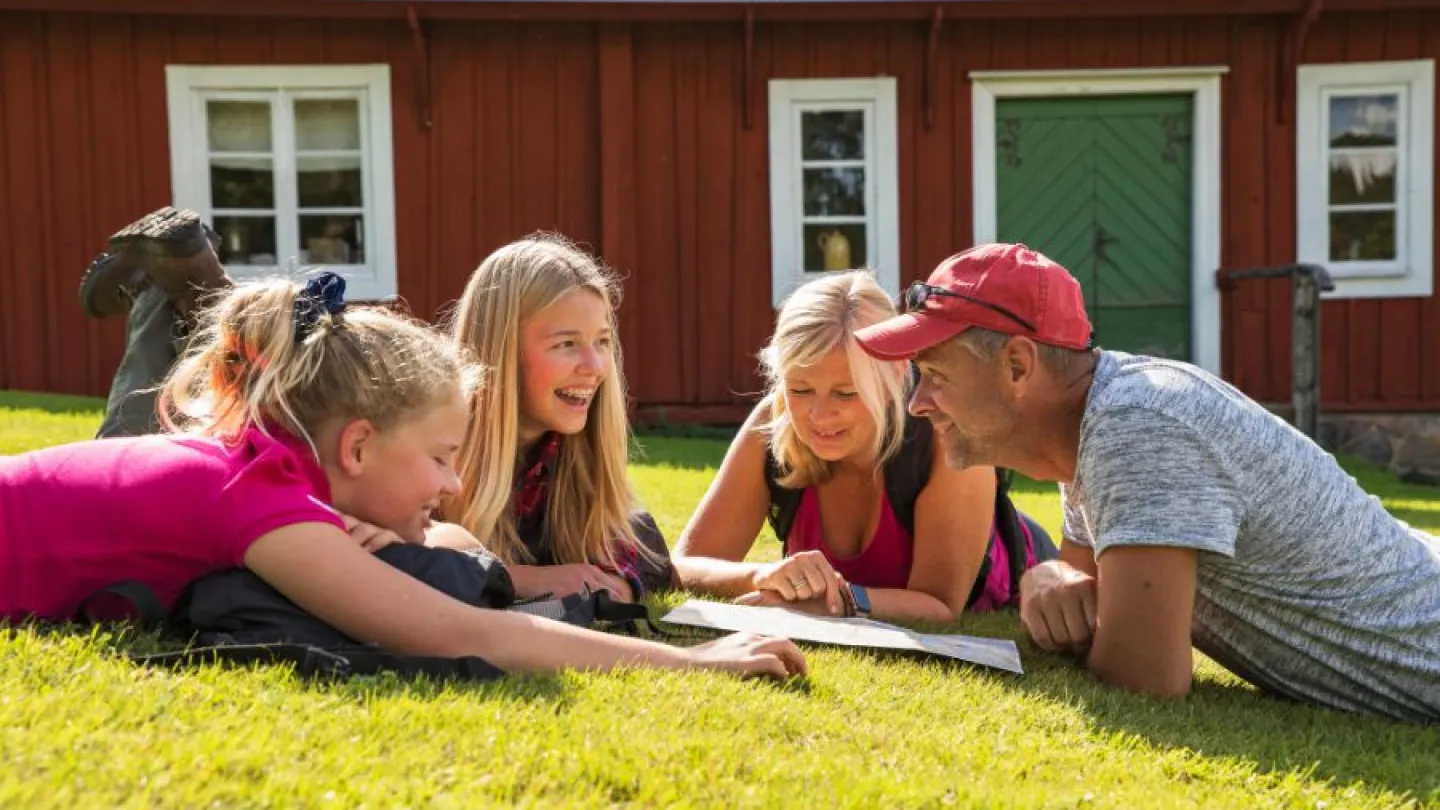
x,y
1305,586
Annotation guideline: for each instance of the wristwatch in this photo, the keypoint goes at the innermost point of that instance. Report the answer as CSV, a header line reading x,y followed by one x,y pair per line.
x,y
862,601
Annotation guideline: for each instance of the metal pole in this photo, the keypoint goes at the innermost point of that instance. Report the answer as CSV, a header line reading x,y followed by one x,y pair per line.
x,y
1306,353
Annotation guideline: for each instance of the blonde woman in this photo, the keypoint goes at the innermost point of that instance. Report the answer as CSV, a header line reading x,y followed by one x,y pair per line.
x,y
542,468
873,521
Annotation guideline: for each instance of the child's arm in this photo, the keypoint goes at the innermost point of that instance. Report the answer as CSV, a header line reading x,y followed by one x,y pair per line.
x,y
321,569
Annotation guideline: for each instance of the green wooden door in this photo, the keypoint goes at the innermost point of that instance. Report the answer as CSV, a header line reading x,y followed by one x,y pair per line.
x,y
1103,186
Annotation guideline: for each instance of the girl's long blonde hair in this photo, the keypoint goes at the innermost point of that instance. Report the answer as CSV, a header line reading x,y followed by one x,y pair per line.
x,y
818,317
251,367
590,502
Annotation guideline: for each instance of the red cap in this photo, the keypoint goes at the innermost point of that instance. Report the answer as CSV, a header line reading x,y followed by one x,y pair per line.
x,y
1002,286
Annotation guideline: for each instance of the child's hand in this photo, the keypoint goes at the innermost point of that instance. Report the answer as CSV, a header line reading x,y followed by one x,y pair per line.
x,y
372,538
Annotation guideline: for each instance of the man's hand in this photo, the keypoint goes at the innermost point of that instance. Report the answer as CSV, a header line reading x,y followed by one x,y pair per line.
x,y
1057,607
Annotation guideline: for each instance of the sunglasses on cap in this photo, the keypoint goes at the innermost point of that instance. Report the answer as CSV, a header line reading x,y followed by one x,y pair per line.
x,y
920,292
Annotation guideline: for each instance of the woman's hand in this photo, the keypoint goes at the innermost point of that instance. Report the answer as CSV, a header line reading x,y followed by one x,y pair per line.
x,y
803,577
372,538
563,580
749,654
773,599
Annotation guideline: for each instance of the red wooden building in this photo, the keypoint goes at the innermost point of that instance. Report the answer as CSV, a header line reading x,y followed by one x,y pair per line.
x,y
711,151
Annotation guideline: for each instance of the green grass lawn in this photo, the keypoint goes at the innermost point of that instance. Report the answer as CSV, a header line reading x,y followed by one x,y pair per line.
x,y
81,727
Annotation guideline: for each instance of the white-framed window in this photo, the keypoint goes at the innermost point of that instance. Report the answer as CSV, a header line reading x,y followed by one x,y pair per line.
x,y
1365,143
834,187
292,166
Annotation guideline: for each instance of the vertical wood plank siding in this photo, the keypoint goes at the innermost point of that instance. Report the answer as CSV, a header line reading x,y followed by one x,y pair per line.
x,y
628,138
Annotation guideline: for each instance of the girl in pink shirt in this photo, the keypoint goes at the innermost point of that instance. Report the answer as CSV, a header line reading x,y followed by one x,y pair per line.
x,y
288,410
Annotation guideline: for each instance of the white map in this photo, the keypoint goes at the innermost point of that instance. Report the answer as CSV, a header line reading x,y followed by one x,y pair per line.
x,y
792,624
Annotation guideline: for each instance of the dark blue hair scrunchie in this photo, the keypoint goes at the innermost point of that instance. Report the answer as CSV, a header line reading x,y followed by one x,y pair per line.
x,y
324,293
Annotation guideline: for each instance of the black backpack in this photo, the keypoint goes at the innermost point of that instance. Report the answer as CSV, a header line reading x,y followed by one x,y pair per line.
x,y
906,474
237,617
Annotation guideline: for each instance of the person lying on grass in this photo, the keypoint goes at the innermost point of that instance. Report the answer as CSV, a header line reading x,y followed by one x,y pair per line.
x,y
543,481
294,407
872,520
1192,515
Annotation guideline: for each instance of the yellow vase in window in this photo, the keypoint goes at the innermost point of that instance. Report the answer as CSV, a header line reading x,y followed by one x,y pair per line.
x,y
836,249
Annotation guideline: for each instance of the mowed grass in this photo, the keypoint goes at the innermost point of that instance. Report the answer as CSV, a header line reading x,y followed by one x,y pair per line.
x,y
81,727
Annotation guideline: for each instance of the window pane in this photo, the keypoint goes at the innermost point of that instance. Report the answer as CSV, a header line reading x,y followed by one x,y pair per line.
x,y
332,239
833,135
1366,177
1362,236
329,181
238,126
327,124
246,240
1364,120
834,192
242,183
834,247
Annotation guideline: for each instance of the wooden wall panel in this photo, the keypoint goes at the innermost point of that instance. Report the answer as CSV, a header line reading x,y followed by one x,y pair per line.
x,y
674,193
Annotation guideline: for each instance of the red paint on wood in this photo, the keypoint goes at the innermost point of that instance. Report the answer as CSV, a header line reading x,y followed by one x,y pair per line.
x,y
675,193
1246,201
1401,368
716,268
1429,342
660,356
618,240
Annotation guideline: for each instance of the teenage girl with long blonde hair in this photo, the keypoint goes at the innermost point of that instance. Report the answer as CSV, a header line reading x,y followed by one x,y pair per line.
x,y
543,481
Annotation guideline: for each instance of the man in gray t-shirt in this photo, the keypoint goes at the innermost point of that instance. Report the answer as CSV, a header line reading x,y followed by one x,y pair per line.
x,y
1192,514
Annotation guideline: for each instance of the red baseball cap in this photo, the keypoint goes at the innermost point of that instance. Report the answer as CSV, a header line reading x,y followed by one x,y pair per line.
x,y
1005,288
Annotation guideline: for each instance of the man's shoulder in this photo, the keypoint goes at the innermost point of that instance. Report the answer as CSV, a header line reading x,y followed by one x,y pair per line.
x,y
1137,381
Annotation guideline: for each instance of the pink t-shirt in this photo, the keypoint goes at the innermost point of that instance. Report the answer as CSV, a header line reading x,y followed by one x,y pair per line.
x,y
884,562
163,510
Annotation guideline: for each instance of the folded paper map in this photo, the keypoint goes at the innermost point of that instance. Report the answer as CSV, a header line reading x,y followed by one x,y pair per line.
x,y
793,624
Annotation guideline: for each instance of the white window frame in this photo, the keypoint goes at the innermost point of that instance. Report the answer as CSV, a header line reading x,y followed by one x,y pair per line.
x,y
189,87
1411,274
788,99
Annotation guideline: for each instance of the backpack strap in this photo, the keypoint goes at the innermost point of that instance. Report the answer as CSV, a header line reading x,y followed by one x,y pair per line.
x,y
149,611
1011,531
909,471
784,502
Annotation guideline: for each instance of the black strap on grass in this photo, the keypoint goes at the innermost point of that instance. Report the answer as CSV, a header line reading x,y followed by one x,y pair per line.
x,y
149,612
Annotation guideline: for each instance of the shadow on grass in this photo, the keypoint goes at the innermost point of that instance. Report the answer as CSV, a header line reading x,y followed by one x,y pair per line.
x,y
150,651
1228,719
1237,722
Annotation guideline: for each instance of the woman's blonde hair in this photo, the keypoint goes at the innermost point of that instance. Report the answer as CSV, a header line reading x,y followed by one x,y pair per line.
x,y
590,502
817,318
253,365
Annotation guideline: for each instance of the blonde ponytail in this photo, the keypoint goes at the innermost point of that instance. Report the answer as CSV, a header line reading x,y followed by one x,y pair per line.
x,y
275,355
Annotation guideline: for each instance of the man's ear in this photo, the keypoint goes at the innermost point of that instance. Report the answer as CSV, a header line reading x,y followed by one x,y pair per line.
x,y
356,439
1021,359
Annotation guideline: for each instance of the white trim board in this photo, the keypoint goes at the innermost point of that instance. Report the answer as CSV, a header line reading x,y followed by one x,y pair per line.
x,y
788,98
1201,82
187,87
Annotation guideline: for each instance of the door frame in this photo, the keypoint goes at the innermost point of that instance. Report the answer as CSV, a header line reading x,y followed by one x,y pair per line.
x,y
1203,84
